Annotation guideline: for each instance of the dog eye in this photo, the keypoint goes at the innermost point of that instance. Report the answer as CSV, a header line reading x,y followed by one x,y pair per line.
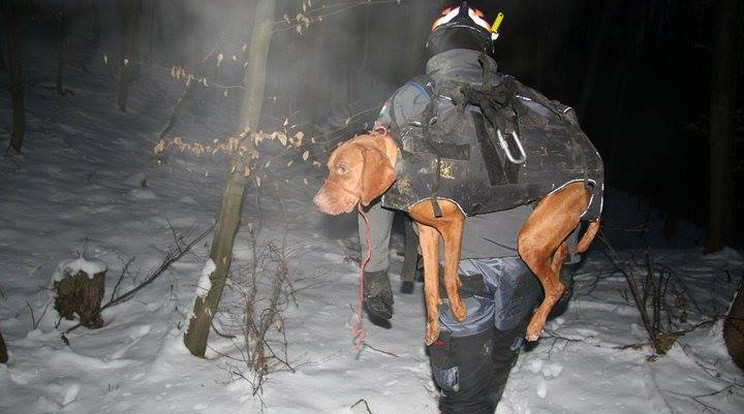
x,y
341,169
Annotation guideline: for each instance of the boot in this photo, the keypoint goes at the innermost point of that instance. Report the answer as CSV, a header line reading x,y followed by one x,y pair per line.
x,y
378,294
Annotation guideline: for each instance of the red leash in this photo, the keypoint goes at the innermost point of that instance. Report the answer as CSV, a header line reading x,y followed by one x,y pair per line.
x,y
356,328
360,334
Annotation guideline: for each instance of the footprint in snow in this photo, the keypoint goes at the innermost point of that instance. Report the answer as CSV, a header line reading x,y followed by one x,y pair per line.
x,y
552,370
542,388
535,365
142,194
71,394
135,334
548,370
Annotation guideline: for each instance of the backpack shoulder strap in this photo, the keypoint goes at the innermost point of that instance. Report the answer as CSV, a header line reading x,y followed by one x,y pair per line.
x,y
423,83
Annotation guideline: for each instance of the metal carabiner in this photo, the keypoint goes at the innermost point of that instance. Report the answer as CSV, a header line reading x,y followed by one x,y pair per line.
x,y
505,146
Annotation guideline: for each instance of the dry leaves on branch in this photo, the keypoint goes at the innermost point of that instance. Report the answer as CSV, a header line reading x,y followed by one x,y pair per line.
x,y
239,145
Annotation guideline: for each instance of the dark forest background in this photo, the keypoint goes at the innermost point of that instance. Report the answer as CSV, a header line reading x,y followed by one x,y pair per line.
x,y
639,72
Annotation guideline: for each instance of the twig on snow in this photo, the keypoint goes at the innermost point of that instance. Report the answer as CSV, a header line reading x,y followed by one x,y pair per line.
x,y
708,407
124,271
362,400
35,323
214,328
380,350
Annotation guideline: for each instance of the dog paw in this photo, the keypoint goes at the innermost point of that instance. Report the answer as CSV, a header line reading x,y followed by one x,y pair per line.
x,y
533,333
535,328
459,312
531,338
432,332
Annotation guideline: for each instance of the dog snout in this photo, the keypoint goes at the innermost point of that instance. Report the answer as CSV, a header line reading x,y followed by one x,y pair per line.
x,y
321,200
325,203
329,202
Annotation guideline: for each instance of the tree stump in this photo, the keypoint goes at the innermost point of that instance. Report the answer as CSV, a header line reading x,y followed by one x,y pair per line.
x,y
79,287
733,329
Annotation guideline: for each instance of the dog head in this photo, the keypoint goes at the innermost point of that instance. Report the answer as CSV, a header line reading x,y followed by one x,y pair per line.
x,y
360,170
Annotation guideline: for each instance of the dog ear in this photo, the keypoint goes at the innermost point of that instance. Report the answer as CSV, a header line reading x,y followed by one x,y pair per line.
x,y
377,174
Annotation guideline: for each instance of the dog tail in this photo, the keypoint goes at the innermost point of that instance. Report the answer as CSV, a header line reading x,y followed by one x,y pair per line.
x,y
586,240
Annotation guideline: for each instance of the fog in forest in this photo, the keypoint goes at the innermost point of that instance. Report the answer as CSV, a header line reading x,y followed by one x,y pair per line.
x,y
637,72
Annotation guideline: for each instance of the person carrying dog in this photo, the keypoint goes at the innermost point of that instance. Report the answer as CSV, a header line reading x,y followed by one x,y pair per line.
x,y
470,361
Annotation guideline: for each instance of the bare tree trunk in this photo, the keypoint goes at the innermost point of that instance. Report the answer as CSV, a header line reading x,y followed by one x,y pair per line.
x,y
185,95
356,76
3,65
130,11
3,351
420,19
225,229
592,64
622,93
61,50
254,79
733,328
154,18
10,21
720,211
228,217
315,90
539,44
95,29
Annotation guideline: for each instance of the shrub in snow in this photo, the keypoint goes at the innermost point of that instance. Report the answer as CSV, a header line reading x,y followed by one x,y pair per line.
x,y
78,286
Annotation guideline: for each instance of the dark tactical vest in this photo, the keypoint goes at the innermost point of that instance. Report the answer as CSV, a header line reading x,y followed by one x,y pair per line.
x,y
491,148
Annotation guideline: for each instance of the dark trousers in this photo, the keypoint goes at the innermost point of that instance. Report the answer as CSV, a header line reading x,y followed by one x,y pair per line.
x,y
471,360
479,367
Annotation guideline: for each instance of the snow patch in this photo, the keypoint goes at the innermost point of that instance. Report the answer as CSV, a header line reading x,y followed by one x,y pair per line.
x,y
552,370
71,394
727,254
205,283
142,194
542,388
73,266
535,365
188,200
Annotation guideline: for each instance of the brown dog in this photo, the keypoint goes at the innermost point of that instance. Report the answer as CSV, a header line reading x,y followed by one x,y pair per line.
x,y
362,169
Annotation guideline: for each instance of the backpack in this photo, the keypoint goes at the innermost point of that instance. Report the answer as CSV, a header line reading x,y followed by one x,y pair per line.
x,y
489,148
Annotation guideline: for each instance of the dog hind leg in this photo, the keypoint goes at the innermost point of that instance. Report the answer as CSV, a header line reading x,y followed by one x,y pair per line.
x,y
559,257
429,242
541,245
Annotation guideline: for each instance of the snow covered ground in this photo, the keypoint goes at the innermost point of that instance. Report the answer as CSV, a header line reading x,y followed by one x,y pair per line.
x,y
89,184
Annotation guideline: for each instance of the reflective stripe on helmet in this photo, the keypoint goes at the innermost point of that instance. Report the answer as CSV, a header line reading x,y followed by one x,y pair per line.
x,y
451,13
447,15
477,17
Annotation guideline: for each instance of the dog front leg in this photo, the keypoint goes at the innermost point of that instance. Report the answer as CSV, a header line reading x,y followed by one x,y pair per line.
x,y
429,242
